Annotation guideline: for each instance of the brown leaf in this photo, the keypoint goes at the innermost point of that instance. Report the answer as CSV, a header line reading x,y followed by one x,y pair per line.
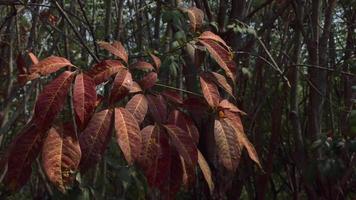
x,y
150,148
135,88
33,58
196,17
149,80
210,91
115,48
61,156
138,107
84,99
156,61
228,148
128,135
221,81
184,122
50,65
157,107
226,104
51,100
208,35
142,65
22,152
188,174
121,85
236,123
95,137
102,71
183,143
206,171
172,96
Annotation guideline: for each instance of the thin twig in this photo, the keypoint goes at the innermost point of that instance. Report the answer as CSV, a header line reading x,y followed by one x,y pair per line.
x,y
178,89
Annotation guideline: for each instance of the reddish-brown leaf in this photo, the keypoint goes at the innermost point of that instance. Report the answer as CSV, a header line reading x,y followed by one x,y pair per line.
x,y
135,88
156,61
102,71
184,122
61,156
206,171
51,100
228,148
196,17
221,81
95,137
50,65
150,148
188,174
183,143
157,107
128,135
210,91
227,105
22,152
149,80
172,96
138,107
33,58
235,121
208,35
142,65
121,85
115,48
84,99
222,56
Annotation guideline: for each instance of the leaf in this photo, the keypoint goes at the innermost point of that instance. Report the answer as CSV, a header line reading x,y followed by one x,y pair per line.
x,y
156,61
21,64
157,107
210,91
50,65
150,148
95,137
102,71
206,171
115,48
222,56
226,104
138,107
228,148
208,35
22,152
121,85
196,17
51,100
188,174
149,80
172,96
221,81
135,88
84,99
61,156
181,120
33,58
142,65
235,121
183,143
128,135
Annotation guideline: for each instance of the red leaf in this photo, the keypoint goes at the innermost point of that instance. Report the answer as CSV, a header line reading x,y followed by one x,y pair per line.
x,y
221,81
102,71
196,17
33,58
156,61
142,65
61,156
206,171
222,56
138,107
121,85
150,150
51,100
128,135
173,96
22,152
84,98
95,137
149,80
157,107
135,88
115,48
208,35
227,144
50,65
183,143
188,173
227,105
210,91
181,120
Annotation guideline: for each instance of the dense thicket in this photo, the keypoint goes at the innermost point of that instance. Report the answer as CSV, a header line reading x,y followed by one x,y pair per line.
x,y
165,99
